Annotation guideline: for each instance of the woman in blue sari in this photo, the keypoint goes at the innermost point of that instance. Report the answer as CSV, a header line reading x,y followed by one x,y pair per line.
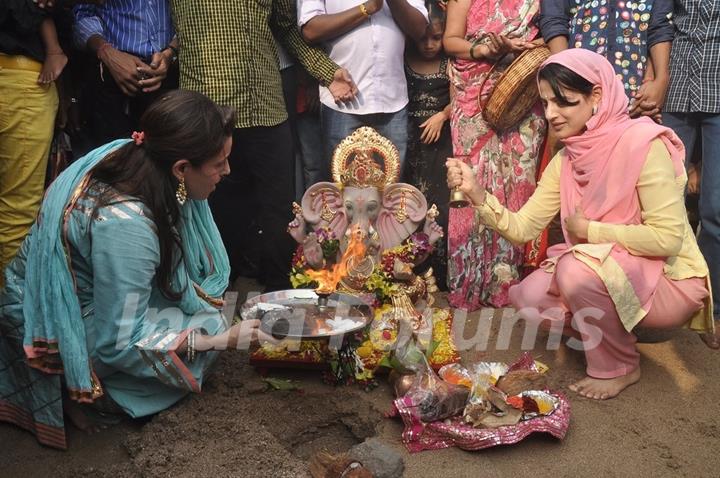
x,y
115,298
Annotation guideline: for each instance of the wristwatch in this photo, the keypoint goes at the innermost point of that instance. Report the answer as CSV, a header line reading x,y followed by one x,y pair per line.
x,y
174,57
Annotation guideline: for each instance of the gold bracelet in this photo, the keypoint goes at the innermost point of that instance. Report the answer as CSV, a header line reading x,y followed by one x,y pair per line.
x,y
364,10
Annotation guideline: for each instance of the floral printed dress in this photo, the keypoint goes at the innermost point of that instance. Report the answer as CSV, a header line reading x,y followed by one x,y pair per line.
x,y
481,264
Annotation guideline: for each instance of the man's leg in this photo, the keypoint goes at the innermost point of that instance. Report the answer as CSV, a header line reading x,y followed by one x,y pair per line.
x,y
230,204
109,118
336,126
686,127
311,146
709,204
394,126
288,76
27,121
268,162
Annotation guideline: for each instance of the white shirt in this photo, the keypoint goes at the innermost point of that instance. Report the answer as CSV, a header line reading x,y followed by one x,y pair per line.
x,y
284,58
372,52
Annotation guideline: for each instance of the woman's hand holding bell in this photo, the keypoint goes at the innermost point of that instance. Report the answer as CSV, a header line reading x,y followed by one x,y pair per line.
x,y
460,176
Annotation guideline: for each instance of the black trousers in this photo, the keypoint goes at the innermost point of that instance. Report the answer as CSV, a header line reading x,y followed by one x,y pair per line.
x,y
113,114
253,205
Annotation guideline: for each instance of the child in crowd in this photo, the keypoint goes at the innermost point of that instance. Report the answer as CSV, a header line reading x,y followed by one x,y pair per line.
x,y
55,59
429,141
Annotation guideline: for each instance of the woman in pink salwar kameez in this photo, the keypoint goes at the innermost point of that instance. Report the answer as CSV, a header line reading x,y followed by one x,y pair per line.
x,y
630,257
483,36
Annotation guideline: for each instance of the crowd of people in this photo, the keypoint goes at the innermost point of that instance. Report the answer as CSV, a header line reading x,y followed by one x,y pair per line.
x,y
174,136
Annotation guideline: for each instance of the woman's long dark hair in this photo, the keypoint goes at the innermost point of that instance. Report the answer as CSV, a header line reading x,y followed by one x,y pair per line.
x,y
559,76
179,125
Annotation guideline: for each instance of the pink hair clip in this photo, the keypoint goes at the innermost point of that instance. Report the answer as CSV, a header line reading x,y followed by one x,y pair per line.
x,y
138,137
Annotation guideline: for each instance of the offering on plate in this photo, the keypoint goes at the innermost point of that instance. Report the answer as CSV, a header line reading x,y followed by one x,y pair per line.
x,y
456,374
488,408
518,381
534,403
490,416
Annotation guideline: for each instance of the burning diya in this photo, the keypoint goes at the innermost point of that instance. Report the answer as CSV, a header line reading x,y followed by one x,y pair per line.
x,y
309,316
306,314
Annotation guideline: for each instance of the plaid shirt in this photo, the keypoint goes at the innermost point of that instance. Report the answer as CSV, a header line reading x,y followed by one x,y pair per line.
x,y
695,58
227,52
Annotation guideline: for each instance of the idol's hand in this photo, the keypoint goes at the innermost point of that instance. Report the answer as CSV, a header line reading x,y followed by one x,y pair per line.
x,y
460,176
313,251
433,230
577,225
296,228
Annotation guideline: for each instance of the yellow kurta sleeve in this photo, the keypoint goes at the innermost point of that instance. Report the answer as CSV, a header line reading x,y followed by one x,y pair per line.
x,y
662,208
526,224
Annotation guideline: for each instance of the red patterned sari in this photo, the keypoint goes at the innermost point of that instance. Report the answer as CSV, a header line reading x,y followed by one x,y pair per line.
x,y
482,265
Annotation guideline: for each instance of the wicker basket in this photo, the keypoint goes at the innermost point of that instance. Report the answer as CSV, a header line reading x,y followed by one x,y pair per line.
x,y
515,92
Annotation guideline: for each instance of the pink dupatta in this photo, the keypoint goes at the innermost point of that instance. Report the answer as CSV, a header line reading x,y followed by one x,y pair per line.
x,y
602,166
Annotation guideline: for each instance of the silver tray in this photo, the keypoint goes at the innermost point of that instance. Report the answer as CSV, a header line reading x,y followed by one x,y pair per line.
x,y
297,314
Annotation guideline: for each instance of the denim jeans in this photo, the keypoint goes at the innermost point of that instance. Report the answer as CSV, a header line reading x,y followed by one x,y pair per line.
x,y
313,168
337,125
688,126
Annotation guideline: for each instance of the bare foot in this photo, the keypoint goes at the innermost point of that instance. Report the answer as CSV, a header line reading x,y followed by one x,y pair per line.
x,y
76,413
52,67
711,340
602,389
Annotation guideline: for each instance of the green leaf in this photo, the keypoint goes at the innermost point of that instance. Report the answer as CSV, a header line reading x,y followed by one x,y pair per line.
x,y
280,384
431,348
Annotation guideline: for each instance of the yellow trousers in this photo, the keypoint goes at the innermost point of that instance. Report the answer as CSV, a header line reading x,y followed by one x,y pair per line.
x,y
27,120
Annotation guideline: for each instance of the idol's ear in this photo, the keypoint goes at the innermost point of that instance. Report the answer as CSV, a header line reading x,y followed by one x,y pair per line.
x,y
404,209
322,206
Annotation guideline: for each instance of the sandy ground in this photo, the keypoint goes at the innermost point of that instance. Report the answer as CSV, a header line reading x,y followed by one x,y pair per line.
x,y
666,425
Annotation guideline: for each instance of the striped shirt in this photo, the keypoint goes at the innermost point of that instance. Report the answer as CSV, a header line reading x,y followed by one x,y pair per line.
x,y
695,58
227,52
139,27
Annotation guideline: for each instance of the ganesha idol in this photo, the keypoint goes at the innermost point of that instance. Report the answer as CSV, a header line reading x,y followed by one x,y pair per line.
x,y
397,232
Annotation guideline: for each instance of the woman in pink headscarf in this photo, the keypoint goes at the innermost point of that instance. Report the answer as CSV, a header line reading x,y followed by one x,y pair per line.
x,y
629,256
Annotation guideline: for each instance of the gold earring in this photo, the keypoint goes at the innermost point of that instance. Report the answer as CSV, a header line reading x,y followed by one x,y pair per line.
x,y
181,193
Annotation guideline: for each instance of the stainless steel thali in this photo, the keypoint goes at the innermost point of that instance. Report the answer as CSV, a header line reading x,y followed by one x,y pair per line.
x,y
301,314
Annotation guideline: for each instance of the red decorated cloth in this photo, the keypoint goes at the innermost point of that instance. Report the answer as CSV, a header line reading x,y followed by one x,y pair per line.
x,y
419,436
